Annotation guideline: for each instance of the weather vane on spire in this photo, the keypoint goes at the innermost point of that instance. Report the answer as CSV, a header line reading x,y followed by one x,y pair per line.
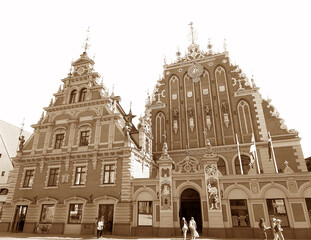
x,y
87,45
193,33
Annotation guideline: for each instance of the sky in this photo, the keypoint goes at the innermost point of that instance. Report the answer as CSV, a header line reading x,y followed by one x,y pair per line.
x,y
270,40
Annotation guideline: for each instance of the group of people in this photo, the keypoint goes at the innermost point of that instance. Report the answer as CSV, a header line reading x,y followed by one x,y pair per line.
x,y
276,228
192,227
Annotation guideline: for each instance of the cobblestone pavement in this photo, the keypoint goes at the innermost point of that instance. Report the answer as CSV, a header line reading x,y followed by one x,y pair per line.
x,y
29,236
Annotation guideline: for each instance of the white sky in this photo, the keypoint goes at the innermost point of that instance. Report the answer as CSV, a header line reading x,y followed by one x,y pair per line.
x,y
270,39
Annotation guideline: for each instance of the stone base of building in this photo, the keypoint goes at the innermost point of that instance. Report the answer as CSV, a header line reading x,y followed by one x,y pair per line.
x,y
121,229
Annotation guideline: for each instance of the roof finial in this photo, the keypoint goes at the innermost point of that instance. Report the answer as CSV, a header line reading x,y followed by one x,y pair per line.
x,y
192,32
209,46
87,45
225,45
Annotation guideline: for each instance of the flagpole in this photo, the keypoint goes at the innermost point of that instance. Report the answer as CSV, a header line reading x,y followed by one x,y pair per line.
x,y
238,145
273,156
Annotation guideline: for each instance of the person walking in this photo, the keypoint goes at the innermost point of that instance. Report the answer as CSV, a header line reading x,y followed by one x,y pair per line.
x,y
100,227
184,227
274,229
263,227
193,228
279,229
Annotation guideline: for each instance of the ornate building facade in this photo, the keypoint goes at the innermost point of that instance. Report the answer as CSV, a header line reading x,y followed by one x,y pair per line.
x,y
188,157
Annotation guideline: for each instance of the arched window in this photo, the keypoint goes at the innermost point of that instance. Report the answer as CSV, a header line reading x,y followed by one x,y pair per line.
x,y
245,164
73,96
159,130
245,118
82,95
221,165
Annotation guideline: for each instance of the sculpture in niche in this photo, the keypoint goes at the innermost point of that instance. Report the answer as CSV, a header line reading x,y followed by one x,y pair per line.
x,y
166,195
191,118
208,116
165,172
225,110
213,194
175,120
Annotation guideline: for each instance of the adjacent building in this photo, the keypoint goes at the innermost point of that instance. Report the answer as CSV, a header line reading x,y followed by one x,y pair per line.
x,y
188,157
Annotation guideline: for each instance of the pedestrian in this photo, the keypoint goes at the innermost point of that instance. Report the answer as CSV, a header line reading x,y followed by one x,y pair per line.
x,y
184,227
100,227
193,228
239,220
274,229
246,219
279,230
263,227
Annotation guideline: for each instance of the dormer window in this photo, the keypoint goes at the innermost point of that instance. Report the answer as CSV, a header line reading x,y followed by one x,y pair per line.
x,y
73,96
82,95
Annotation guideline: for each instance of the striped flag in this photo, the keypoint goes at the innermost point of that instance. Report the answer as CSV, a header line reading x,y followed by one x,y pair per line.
x,y
270,146
238,146
252,150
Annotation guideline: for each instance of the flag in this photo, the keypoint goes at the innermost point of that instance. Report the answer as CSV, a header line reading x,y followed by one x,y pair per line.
x,y
238,146
252,150
270,146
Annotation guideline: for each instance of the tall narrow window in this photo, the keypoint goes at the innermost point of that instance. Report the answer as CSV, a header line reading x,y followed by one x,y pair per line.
x,y
84,138
59,138
221,165
245,120
277,209
73,96
245,164
145,213
47,213
159,130
53,177
28,180
109,173
82,95
239,213
80,176
75,213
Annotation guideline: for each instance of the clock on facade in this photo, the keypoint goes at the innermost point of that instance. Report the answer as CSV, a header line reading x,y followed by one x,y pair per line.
x,y
195,71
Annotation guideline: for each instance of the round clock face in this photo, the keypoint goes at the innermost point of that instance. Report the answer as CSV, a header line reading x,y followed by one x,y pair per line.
x,y
80,70
195,71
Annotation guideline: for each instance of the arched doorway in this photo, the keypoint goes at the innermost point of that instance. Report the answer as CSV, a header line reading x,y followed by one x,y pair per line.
x,y
190,206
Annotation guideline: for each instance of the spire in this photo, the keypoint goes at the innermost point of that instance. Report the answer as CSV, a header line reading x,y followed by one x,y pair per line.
x,y
192,33
86,44
225,45
209,46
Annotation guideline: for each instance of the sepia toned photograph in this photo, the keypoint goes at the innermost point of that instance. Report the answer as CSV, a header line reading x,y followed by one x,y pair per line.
x,y
177,120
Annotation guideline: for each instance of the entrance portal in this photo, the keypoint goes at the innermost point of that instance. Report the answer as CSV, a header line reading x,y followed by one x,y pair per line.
x,y
190,206
19,218
105,211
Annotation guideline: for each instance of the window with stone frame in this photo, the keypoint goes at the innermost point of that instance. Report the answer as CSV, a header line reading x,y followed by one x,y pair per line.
x,y
59,138
308,203
109,174
239,213
277,209
221,166
84,138
73,96
53,177
145,215
47,213
245,164
28,178
75,213
83,93
80,176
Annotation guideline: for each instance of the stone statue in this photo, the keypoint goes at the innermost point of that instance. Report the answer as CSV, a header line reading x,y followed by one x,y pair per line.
x,y
207,110
225,107
21,142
